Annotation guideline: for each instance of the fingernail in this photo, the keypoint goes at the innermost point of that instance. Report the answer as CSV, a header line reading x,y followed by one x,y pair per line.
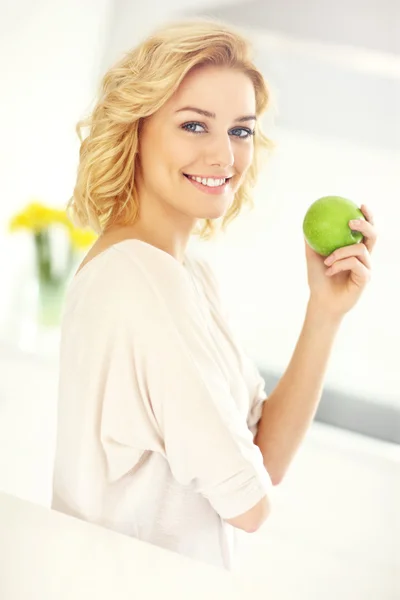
x,y
328,260
354,222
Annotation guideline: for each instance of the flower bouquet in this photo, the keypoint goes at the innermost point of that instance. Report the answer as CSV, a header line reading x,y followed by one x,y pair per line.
x,y
57,248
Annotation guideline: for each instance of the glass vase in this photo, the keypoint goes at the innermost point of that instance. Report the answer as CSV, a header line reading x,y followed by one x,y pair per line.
x,y
50,302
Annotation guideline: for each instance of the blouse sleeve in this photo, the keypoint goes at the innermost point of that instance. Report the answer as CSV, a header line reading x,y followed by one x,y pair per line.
x,y
258,397
207,442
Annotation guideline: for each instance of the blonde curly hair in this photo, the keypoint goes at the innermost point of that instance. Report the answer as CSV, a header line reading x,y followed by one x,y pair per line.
x,y
133,89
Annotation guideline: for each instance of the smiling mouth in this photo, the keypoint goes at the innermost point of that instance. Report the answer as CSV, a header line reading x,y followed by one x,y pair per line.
x,y
209,181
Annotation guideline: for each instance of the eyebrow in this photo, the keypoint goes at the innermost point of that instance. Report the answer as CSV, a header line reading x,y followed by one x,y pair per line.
x,y
211,115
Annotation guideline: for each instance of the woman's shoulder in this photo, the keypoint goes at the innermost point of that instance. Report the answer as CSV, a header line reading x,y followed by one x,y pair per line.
x,y
129,274
125,261
135,287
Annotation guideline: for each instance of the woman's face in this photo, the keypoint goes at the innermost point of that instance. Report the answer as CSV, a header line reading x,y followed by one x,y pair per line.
x,y
205,131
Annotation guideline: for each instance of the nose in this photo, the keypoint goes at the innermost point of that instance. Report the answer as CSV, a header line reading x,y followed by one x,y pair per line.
x,y
220,152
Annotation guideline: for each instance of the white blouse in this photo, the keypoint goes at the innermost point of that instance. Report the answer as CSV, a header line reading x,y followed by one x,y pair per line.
x,y
158,405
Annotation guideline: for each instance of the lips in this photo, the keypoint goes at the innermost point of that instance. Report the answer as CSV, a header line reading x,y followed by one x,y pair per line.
x,y
210,181
226,177
218,187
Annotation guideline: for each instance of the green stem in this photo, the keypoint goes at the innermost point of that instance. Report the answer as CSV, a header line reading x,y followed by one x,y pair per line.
x,y
70,261
43,256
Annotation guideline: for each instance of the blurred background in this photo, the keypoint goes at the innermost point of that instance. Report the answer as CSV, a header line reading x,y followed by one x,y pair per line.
x,y
334,74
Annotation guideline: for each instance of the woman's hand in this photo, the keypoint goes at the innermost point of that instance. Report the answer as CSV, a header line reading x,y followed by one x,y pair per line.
x,y
337,281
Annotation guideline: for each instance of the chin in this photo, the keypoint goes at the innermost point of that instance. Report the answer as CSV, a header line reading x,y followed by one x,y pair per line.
x,y
217,208
211,214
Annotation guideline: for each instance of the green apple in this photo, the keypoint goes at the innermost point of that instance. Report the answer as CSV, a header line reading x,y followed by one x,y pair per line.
x,y
326,224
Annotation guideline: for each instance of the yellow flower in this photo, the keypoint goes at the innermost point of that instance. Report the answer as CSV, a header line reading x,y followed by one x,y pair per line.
x,y
81,238
59,216
35,217
20,221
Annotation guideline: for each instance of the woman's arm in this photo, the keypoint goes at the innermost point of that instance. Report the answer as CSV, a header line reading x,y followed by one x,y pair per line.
x,y
290,408
336,284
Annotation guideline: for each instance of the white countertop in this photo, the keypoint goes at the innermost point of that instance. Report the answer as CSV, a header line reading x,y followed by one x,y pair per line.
x,y
45,555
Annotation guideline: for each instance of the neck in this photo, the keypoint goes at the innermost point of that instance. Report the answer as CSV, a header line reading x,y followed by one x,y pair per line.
x,y
159,233
161,224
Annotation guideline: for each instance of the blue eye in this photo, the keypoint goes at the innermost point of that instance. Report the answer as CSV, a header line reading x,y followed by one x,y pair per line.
x,y
242,130
239,132
191,127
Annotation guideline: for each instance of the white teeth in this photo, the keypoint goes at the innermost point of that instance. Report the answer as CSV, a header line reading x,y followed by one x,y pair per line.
x,y
210,182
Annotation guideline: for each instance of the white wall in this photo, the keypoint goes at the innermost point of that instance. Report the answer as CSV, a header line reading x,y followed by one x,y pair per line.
x,y
49,60
133,22
50,55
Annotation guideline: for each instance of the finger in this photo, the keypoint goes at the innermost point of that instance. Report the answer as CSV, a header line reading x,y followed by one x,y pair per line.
x,y
359,251
367,229
361,274
367,214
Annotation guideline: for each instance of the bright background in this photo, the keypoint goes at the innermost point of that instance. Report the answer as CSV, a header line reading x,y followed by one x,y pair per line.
x,y
334,71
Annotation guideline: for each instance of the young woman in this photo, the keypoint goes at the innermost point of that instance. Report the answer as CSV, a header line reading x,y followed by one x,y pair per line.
x,y
164,431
